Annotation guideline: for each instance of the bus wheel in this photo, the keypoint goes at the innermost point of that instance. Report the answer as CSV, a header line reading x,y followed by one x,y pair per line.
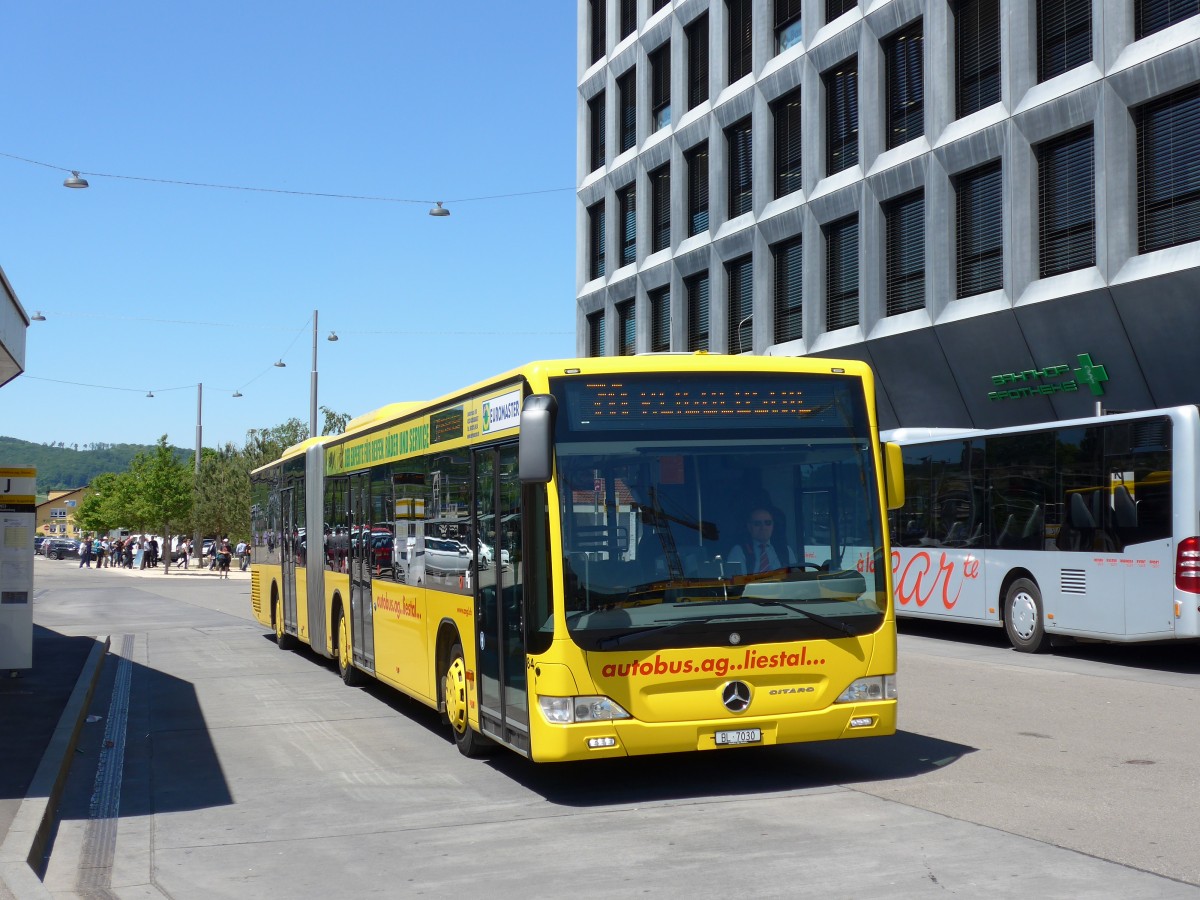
x,y
345,652
454,689
1023,617
283,640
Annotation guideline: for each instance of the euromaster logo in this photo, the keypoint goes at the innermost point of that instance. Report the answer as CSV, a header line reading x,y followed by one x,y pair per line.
x,y
501,412
1050,380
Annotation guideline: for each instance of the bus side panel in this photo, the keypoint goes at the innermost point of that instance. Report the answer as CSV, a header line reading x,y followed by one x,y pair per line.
x,y
337,590
261,579
302,604
402,643
941,583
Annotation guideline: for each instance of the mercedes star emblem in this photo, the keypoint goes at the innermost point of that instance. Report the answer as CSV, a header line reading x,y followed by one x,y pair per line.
x,y
736,696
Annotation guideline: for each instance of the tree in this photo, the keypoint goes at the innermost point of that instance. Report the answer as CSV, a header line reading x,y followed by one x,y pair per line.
x,y
100,510
335,423
264,445
162,493
222,495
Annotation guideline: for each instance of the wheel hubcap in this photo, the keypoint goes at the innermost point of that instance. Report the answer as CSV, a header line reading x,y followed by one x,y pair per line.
x,y
454,687
1024,615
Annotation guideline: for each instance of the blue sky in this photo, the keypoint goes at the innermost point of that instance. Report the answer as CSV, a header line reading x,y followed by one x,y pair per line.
x,y
153,286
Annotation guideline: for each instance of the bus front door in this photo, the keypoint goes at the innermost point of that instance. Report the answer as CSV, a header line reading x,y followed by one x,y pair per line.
x,y
362,624
287,558
504,695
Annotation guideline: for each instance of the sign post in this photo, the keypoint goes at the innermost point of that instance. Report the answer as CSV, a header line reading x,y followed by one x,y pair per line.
x,y
18,514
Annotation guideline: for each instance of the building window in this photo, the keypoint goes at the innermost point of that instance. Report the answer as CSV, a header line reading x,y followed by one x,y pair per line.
x,y
1067,205
596,240
741,304
789,27
660,86
598,10
628,17
741,38
841,100
626,329
980,230
660,208
656,5
741,168
904,54
835,8
596,130
1064,36
627,201
905,218
596,333
977,55
58,514
697,52
660,320
1155,15
696,289
841,273
627,94
785,113
789,290
697,175
1168,164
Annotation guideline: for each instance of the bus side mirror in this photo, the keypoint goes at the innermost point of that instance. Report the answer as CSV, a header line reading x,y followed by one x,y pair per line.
x,y
536,443
894,475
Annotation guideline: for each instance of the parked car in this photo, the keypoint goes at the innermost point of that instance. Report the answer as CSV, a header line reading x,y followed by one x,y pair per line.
x,y
59,547
444,556
38,540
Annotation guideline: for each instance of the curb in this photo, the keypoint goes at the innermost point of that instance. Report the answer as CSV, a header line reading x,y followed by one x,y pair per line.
x,y
23,848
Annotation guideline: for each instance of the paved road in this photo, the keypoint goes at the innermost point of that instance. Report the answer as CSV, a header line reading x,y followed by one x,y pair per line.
x,y
218,766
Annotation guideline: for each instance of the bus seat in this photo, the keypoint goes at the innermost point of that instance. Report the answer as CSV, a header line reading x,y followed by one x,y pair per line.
x,y
1033,525
1126,510
1081,516
1004,539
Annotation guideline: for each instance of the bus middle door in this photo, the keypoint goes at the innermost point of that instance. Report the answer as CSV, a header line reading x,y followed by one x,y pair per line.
x,y
362,618
287,558
500,641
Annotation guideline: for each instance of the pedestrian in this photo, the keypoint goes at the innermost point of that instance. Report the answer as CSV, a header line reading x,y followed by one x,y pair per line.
x,y
98,552
85,553
153,544
223,557
185,547
128,552
243,552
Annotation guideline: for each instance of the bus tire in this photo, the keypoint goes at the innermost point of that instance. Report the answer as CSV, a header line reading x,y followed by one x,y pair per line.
x,y
345,651
1023,617
470,743
283,640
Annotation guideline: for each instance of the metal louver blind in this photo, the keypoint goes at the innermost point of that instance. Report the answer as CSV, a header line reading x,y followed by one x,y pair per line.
x,y
1168,149
697,75
596,226
741,304
835,8
786,11
1150,16
627,329
977,56
627,91
697,311
741,171
660,86
788,174
660,320
628,202
628,17
841,273
660,208
656,5
1066,203
741,35
905,218
789,290
980,230
697,167
904,58
1064,36
596,334
596,116
599,12
841,100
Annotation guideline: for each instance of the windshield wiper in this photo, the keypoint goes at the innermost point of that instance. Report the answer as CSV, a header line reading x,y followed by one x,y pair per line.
x,y
616,640
832,624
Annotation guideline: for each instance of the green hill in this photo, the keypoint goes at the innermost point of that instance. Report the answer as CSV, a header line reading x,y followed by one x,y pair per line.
x,y
66,467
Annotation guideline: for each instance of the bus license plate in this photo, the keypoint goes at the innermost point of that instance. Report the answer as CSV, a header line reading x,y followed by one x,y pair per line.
x,y
745,736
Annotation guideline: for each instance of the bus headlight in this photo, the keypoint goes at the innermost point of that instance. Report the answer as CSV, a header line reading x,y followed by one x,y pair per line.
x,y
881,687
564,710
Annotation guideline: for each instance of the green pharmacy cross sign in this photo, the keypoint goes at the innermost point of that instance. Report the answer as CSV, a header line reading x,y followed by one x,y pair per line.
x,y
1050,380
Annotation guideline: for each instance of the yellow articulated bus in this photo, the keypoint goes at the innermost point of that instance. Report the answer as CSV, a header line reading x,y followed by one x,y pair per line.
x,y
602,557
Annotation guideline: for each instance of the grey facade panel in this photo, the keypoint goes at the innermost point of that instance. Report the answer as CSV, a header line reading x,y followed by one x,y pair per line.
x,y
1162,318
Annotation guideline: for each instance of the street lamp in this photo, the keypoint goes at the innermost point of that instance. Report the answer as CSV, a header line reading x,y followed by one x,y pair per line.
x,y
196,542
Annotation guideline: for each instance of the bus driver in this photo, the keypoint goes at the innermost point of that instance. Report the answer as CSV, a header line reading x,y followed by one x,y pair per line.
x,y
756,553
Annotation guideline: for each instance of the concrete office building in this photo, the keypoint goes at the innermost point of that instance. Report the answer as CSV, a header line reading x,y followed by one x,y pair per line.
x,y
997,205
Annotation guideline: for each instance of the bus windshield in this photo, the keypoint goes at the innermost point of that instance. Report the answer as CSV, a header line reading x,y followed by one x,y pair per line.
x,y
683,527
